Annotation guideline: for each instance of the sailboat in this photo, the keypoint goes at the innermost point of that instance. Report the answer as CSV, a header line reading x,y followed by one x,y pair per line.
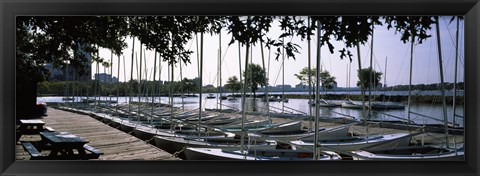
x,y
352,104
342,144
358,142
424,153
231,98
177,144
256,154
385,105
308,135
210,96
429,152
322,103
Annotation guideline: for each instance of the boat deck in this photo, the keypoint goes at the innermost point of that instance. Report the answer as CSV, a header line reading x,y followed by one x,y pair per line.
x,y
115,144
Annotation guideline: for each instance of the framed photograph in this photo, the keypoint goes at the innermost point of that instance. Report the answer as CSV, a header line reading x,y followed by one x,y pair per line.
x,y
239,87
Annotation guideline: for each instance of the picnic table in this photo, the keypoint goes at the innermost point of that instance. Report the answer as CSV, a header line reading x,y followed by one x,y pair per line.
x,y
31,127
62,146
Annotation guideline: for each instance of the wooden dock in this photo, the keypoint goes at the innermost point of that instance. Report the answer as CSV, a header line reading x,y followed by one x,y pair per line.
x,y
115,144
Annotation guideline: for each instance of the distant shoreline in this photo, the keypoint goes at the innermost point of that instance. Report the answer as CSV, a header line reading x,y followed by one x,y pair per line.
x,y
391,98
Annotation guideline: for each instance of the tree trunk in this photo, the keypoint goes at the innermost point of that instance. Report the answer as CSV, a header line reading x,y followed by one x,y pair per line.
x,y
26,99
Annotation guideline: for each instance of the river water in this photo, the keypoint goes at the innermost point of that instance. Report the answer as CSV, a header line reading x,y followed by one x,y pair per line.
x,y
434,111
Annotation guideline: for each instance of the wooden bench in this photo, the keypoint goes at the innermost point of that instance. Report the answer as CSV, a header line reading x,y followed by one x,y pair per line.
x,y
95,152
30,148
49,129
19,132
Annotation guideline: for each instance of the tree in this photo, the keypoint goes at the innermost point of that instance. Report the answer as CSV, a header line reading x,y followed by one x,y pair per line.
x,y
255,76
60,41
189,85
327,80
364,78
303,76
233,84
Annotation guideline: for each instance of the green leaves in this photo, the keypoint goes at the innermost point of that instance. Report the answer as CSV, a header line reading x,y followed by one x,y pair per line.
x,y
61,40
327,80
233,84
364,78
410,27
255,76
303,76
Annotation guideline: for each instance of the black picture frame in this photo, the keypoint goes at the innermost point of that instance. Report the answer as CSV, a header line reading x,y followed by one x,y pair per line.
x,y
10,9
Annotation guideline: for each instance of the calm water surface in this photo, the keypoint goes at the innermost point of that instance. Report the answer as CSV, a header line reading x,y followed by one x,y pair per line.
x,y
432,110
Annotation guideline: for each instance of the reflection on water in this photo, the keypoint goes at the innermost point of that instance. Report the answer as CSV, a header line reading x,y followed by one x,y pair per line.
x,y
432,110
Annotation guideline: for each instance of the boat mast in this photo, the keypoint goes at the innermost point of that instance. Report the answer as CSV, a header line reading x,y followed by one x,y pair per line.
x,y
154,74
218,80
266,86
410,82
171,94
244,116
201,82
131,81
97,87
309,76
385,79
240,63
124,77
219,98
160,84
445,119
181,79
118,83
455,81
283,77
370,80
139,84
348,78
362,90
242,139
455,77
111,77
106,80
317,112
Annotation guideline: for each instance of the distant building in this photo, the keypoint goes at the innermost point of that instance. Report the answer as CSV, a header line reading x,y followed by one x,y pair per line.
x,y
106,78
300,86
70,73
284,86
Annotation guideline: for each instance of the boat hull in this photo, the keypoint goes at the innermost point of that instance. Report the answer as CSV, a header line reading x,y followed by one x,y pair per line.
x,y
175,145
346,144
411,153
254,154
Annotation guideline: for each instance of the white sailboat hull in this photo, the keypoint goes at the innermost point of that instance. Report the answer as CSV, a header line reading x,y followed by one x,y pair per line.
x,y
410,153
254,154
346,144
175,144
353,106
290,127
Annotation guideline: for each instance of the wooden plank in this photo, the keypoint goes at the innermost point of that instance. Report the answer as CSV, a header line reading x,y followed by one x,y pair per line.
x,y
93,150
110,141
31,149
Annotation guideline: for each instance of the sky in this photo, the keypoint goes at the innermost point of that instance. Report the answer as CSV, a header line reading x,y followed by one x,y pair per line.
x,y
386,46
